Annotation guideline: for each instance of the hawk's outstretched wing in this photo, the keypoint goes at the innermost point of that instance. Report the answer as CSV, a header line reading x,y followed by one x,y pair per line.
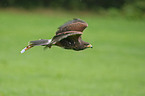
x,y
73,25
59,37
73,28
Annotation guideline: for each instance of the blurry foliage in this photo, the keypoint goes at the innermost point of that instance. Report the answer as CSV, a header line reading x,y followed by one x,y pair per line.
x,y
129,8
134,8
66,4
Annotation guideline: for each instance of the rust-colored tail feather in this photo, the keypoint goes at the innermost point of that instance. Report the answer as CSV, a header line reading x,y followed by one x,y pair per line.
x,y
26,48
41,42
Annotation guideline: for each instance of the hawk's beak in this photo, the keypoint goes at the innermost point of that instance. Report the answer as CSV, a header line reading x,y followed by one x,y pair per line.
x,y
89,46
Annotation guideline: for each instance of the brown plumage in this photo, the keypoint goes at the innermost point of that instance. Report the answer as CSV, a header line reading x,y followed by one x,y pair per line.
x,y
68,36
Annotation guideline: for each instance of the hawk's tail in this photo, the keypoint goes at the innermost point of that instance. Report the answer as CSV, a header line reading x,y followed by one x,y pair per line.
x,y
41,42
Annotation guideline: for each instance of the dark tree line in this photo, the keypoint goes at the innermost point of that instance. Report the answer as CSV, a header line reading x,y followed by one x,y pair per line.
x,y
66,4
128,6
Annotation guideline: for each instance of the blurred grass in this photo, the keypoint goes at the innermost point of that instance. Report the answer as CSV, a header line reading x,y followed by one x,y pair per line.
x,y
114,67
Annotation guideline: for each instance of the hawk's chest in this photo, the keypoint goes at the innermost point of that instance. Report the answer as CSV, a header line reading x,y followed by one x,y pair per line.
x,y
68,43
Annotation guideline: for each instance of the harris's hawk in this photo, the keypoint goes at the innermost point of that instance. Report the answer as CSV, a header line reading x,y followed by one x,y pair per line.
x,y
68,36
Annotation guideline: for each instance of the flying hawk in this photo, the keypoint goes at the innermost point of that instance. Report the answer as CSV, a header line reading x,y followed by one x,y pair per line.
x,y
68,36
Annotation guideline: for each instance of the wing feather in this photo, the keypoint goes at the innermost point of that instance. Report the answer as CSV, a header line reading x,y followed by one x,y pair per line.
x,y
59,37
73,25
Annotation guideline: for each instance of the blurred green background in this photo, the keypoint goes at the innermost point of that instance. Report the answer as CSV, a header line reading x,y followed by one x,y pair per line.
x,y
114,67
